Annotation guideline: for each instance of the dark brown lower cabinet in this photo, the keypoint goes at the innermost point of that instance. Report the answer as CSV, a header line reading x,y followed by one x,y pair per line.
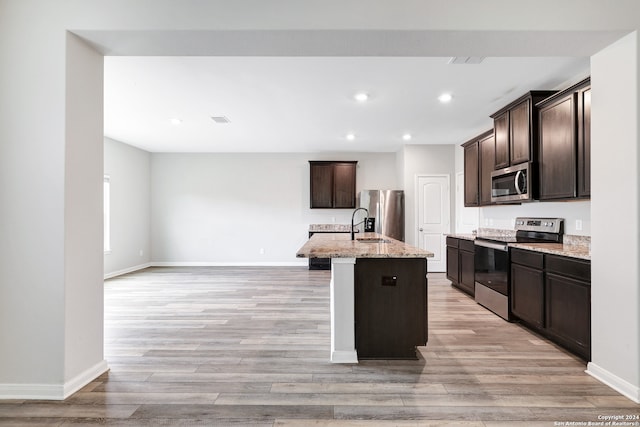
x,y
527,294
568,303
390,307
552,295
461,264
453,269
466,260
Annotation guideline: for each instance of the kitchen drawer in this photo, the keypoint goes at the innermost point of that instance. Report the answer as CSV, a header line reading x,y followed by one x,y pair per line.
x,y
528,258
467,245
569,267
453,242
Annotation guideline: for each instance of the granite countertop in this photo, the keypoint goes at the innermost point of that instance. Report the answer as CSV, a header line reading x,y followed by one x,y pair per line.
x,y
462,236
340,245
573,251
580,250
330,228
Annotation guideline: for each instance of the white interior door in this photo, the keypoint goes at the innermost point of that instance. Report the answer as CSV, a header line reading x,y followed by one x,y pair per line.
x,y
433,218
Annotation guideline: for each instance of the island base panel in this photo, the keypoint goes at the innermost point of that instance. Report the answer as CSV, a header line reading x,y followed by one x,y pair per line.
x,y
390,307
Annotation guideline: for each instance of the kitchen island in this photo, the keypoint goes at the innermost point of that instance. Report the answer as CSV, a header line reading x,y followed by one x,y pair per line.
x,y
378,293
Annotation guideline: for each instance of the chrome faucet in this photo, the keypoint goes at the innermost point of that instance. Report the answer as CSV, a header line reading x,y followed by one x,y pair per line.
x,y
353,225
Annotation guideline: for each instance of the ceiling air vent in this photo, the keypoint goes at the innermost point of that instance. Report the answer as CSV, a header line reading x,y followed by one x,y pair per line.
x,y
220,119
466,60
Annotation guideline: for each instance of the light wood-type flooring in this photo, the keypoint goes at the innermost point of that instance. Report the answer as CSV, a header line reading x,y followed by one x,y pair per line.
x,y
204,346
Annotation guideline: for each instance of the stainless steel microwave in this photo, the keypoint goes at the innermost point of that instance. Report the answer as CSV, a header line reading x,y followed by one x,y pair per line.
x,y
512,184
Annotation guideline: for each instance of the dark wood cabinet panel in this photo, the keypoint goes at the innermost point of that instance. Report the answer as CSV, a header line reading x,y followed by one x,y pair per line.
x,y
584,142
570,267
344,185
471,174
333,184
453,271
558,149
461,264
552,295
321,185
390,307
527,294
527,258
467,272
520,132
568,313
501,137
516,130
487,149
565,143
479,159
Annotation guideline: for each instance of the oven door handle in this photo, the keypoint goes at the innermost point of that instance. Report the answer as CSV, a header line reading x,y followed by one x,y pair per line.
x,y
498,246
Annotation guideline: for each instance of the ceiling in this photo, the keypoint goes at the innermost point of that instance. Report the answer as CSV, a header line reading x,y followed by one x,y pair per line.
x,y
306,104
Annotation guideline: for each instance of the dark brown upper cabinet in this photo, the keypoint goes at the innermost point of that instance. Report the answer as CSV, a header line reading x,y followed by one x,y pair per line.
x,y
333,184
516,130
487,165
471,173
584,140
565,137
479,160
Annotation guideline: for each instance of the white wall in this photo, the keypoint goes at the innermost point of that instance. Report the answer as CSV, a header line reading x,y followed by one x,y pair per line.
x,y
615,272
503,216
83,264
228,208
425,160
129,170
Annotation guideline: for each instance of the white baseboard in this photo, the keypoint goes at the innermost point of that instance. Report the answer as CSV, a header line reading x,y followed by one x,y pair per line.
x,y
84,378
230,264
342,356
127,270
113,274
52,391
615,382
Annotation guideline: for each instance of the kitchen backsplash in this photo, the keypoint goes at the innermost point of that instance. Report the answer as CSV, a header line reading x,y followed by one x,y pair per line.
x,y
576,215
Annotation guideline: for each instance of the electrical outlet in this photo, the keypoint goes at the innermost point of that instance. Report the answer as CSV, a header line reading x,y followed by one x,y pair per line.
x,y
141,252
578,224
261,251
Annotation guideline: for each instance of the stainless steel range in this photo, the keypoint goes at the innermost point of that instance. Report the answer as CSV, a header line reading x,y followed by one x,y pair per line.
x,y
492,271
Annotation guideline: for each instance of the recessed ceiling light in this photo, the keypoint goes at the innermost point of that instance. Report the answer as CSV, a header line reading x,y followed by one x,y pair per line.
x,y
176,122
220,119
350,137
406,137
361,97
445,97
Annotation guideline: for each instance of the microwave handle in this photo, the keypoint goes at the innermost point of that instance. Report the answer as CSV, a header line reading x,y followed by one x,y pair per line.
x,y
518,189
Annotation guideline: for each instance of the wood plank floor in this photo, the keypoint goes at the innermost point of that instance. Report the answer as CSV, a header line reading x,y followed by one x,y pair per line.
x,y
250,346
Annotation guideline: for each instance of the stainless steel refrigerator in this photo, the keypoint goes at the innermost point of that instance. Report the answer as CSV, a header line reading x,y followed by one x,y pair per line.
x,y
387,207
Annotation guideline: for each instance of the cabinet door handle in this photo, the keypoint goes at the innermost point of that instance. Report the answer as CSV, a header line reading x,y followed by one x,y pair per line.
x,y
420,229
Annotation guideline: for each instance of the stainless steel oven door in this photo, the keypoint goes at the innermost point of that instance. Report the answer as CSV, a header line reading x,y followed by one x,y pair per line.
x,y
511,184
492,266
492,277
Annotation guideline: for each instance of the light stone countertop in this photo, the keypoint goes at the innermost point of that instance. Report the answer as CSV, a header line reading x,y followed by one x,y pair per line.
x,y
573,251
330,228
580,251
340,245
463,236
